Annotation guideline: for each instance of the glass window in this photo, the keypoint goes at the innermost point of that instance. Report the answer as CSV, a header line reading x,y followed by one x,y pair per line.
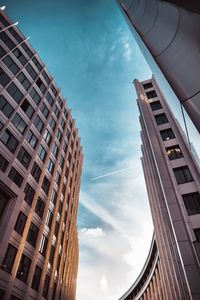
x,y
43,245
27,108
183,175
57,178
155,105
42,153
49,99
37,64
16,177
38,123
52,123
4,21
31,71
197,234
39,208
9,140
41,85
50,166
147,85
167,134
35,96
2,52
32,234
54,196
56,229
47,137
19,123
53,90
14,92
5,107
46,287
45,185
9,258
3,163
56,111
15,35
66,113
36,278
62,123
7,41
4,79
27,49
60,102
24,157
174,152
24,81
55,150
36,172
62,161
192,203
20,223
51,257
31,139
44,110
23,269
151,94
65,146
49,219
11,65
29,194
45,76
20,56
161,119
59,135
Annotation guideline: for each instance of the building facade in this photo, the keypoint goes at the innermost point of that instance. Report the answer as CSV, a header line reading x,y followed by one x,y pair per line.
x,y
167,32
40,170
173,184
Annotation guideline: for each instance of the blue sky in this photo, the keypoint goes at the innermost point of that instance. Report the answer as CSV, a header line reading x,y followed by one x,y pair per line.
x,y
88,47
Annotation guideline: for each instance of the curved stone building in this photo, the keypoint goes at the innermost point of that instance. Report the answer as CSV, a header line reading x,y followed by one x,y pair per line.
x,y
40,170
168,34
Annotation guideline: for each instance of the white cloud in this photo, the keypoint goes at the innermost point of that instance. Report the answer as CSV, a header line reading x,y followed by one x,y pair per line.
x,y
92,232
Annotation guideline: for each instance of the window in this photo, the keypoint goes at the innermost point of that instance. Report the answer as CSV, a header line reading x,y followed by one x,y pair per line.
x,y
29,194
192,203
9,258
39,208
11,65
55,150
31,71
45,76
67,134
182,175
36,278
41,85
2,52
65,113
53,90
16,177
155,105
147,85
57,178
49,99
52,123
151,94
49,219
47,137
42,153
197,234
3,163
20,224
161,119
45,185
56,229
27,49
20,56
24,157
51,256
38,123
60,102
19,123
43,245
14,92
1,125
65,146
174,152
7,41
50,166
54,196
5,107
35,96
4,79
23,269
46,287
59,135
36,172
27,108
15,35
44,110
62,123
167,134
37,64
62,161
24,81
32,234
56,111
31,139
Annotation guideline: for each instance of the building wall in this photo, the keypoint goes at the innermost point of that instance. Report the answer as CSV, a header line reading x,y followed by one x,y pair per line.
x,y
40,170
168,35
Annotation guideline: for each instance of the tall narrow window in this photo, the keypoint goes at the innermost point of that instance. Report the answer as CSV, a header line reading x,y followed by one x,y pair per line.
x,y
43,245
29,194
11,65
197,234
24,157
183,175
39,208
45,184
9,258
4,79
192,203
36,172
32,234
23,269
46,287
15,176
42,153
20,223
38,123
31,139
36,278
3,163
27,108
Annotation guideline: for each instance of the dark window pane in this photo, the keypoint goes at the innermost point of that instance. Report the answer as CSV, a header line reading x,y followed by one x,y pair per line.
x,y
9,140
147,85
20,224
49,219
46,287
14,92
39,208
35,96
192,203
47,137
45,185
24,157
27,108
36,172
4,21
51,257
174,152
12,66
38,123
52,123
155,105
24,81
4,79
41,85
49,99
45,76
161,119
167,134
9,258
53,90
5,107
2,52
56,111
50,166
55,150
3,163
32,234
19,123
15,35
36,278
7,41
23,269
183,175
44,110
1,125
29,194
20,56
151,94
197,234
2,293
42,153
16,177
27,49
37,64
31,71
31,138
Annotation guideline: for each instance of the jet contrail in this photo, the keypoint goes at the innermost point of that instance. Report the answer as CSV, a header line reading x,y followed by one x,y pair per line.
x,y
112,173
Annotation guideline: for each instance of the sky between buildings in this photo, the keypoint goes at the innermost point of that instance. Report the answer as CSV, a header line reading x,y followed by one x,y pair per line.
x,y
89,49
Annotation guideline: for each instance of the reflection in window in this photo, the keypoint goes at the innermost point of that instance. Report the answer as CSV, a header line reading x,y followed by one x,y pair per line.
x,y
183,175
174,152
